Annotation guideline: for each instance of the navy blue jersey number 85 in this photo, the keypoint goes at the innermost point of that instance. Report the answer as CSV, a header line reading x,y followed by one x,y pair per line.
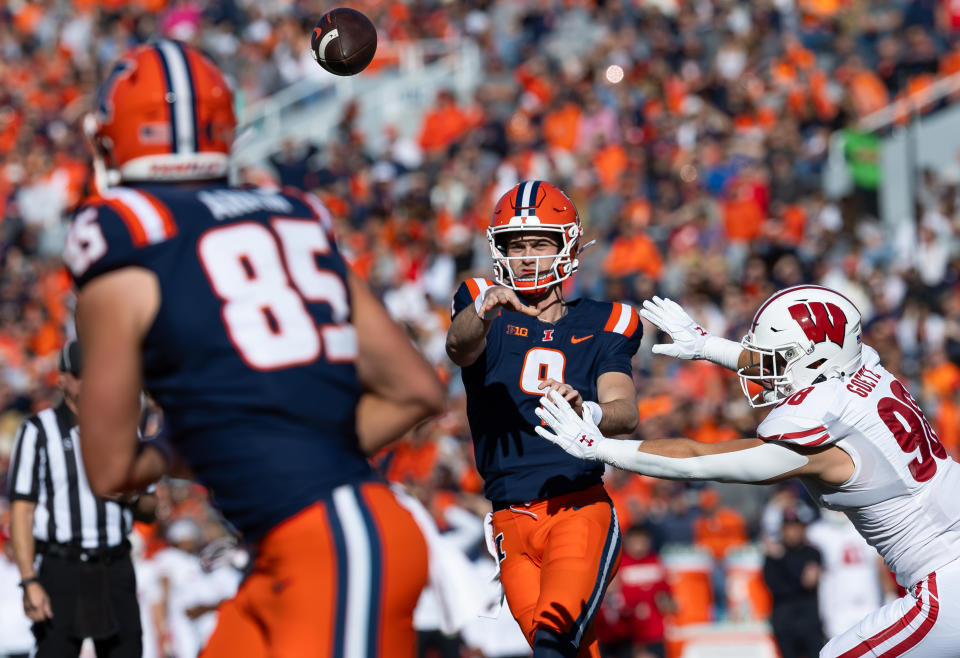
x,y
265,277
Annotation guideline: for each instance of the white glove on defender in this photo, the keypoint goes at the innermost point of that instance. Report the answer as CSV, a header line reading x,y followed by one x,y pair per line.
x,y
581,438
688,336
690,340
578,436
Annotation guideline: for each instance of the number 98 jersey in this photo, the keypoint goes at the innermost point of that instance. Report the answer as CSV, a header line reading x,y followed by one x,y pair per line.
x,y
251,355
904,495
503,390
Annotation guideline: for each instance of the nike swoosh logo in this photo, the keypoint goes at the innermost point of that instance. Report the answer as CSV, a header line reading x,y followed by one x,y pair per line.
x,y
575,340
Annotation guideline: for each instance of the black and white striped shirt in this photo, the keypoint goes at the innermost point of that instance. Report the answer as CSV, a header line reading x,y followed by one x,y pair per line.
x,y
47,469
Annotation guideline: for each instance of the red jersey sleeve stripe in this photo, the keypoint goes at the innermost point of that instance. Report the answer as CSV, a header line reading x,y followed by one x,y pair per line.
x,y
790,436
816,441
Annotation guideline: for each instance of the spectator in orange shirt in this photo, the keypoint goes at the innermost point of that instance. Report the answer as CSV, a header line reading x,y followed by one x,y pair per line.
x,y
633,252
560,126
743,216
718,530
443,125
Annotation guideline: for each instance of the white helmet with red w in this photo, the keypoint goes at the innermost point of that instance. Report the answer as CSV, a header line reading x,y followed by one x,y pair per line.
x,y
799,337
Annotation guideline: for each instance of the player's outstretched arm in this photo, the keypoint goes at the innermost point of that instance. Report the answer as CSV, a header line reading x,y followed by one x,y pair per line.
x,y
615,411
467,336
750,461
401,387
690,340
114,313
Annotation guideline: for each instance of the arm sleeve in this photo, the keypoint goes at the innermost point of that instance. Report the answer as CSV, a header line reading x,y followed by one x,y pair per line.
x,y
621,339
24,472
756,464
468,293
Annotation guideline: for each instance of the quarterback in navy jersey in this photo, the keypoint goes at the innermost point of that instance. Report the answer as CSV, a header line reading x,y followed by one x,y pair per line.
x,y
276,368
515,337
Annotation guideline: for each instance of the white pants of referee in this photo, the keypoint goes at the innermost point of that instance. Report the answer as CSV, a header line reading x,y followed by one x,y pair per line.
x,y
924,622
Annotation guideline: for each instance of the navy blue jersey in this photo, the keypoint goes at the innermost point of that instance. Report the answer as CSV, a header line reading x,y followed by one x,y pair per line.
x,y
251,355
522,351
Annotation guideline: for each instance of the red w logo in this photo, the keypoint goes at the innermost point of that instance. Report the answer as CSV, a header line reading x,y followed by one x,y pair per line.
x,y
827,321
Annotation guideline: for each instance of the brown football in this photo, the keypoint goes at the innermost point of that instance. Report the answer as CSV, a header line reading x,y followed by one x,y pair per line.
x,y
344,41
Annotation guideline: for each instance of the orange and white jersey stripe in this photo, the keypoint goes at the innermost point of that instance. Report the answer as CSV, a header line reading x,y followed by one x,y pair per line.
x,y
147,219
477,286
623,320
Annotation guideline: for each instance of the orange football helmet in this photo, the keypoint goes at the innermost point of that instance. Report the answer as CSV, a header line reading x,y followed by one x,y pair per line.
x,y
164,113
535,206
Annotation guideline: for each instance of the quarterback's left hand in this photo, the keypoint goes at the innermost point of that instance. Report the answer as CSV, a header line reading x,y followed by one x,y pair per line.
x,y
577,435
569,393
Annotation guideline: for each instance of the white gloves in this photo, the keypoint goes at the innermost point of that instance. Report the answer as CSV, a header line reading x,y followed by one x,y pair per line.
x,y
578,436
688,336
690,340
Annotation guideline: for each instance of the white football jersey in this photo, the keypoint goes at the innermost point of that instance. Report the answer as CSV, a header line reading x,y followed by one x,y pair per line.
x,y
904,495
849,587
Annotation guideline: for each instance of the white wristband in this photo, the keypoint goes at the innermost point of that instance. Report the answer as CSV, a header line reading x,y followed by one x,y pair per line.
x,y
722,352
478,302
595,411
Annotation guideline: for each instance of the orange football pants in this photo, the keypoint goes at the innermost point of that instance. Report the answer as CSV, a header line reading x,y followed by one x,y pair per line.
x,y
340,578
557,557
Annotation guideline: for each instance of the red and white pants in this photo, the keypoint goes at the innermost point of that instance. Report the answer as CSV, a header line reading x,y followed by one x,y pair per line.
x,y
925,622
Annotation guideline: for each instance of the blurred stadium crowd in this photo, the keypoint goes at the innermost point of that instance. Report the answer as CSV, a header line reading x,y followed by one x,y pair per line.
x,y
692,136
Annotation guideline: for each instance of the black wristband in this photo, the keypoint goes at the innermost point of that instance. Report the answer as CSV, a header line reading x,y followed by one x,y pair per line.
x,y
27,581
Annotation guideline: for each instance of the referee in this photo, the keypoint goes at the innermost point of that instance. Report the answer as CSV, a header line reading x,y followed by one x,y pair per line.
x,y
71,547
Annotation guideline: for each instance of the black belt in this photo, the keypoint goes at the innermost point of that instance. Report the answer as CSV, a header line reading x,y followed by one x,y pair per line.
x,y
75,553
502,504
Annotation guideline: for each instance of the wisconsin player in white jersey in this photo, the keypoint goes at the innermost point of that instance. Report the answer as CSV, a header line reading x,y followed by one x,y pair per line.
x,y
852,577
841,423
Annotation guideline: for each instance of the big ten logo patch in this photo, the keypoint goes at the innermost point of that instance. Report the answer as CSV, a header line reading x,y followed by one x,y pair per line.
x,y
514,330
501,554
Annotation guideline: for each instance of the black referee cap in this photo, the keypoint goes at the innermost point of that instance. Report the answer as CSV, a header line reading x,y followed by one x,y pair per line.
x,y
70,358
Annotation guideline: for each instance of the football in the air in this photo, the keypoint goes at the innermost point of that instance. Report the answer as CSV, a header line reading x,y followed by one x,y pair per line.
x,y
344,41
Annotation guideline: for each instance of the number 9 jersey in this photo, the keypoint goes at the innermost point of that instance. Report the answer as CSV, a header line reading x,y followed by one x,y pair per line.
x,y
251,354
503,390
